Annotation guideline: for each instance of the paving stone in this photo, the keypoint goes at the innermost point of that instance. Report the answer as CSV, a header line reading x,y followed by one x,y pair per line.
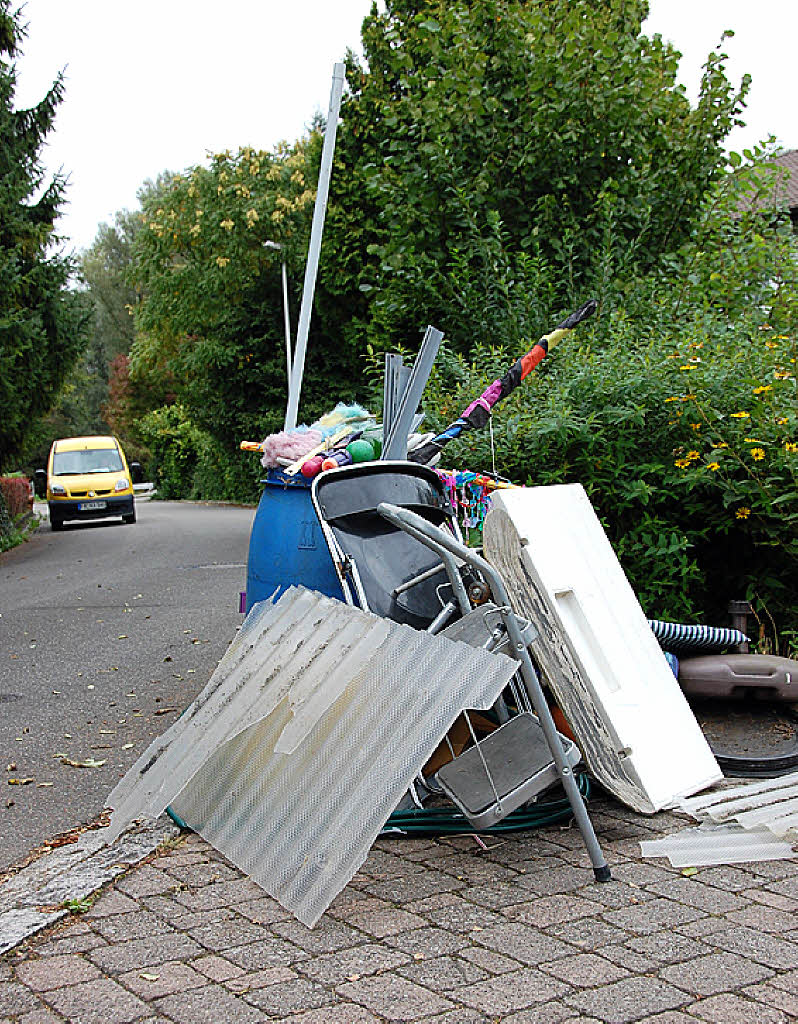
x,y
549,881
216,968
549,910
414,886
260,979
459,1016
428,942
732,1009
112,903
727,877
42,1016
545,1013
522,943
222,935
669,1017
652,916
163,980
210,1005
668,947
327,936
702,928
714,973
585,970
461,916
290,997
772,899
82,942
638,875
336,968
264,910
514,991
138,953
270,952
493,896
180,917
342,1013
589,933
615,894
785,887
492,962
385,921
195,875
629,959
394,998
476,870
146,881
381,864
765,919
135,925
443,973
55,972
628,1000
693,893
220,894
15,998
97,1002
765,949
788,981
776,997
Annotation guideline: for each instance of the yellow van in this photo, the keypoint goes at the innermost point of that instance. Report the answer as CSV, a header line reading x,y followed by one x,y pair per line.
x,y
88,478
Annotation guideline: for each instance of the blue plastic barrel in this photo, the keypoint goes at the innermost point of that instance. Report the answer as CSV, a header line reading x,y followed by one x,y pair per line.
x,y
286,546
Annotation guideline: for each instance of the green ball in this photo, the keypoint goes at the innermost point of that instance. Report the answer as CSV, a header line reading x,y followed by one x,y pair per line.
x,y
361,450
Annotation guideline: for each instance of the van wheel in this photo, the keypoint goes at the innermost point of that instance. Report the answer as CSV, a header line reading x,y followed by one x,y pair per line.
x,y
131,518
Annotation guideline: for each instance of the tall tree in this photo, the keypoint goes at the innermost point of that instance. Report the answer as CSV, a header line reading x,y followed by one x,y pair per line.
x,y
43,325
556,121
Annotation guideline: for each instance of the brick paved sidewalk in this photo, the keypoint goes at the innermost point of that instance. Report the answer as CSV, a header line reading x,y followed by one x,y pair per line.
x,y
438,931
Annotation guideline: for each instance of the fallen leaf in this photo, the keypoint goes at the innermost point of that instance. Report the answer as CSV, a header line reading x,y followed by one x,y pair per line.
x,y
164,711
122,636
107,732
149,977
43,785
127,746
353,977
12,767
689,872
88,763
19,782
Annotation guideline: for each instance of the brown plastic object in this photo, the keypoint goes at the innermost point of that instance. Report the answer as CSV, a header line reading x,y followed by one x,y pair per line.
x,y
753,676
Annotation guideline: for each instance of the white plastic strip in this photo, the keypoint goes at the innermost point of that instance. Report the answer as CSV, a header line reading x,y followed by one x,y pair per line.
x,y
719,844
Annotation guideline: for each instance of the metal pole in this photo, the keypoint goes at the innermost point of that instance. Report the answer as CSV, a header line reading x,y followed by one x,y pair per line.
x,y
314,248
287,317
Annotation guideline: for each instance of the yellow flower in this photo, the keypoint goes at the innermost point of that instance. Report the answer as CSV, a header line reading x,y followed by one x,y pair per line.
x,y
673,399
761,390
714,466
771,344
781,420
696,426
743,512
682,463
781,375
222,261
757,454
195,230
720,444
692,456
790,446
688,366
753,440
741,415
252,217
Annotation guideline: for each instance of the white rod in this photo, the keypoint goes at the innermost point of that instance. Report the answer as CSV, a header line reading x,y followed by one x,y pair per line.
x,y
287,317
315,246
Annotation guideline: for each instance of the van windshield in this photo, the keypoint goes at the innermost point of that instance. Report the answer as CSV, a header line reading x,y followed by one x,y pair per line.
x,y
91,460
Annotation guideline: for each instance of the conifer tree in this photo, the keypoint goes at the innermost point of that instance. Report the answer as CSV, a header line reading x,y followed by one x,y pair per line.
x,y
43,323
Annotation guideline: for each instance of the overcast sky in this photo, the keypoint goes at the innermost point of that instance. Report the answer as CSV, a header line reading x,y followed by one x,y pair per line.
x,y
154,84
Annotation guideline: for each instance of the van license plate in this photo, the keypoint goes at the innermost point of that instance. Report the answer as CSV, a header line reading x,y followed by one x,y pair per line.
x,y
90,506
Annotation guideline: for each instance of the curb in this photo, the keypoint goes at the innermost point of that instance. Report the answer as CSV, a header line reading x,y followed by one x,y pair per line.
x,y
35,896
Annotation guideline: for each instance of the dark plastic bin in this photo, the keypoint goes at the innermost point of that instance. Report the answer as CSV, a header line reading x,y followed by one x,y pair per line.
x,y
286,546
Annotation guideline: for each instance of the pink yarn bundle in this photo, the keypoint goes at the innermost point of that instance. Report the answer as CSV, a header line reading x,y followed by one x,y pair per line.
x,y
289,444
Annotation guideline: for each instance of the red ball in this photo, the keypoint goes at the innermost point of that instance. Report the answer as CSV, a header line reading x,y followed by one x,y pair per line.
x,y
329,464
312,466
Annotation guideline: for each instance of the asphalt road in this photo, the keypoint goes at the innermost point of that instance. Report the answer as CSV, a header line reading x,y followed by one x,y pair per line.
x,y
107,632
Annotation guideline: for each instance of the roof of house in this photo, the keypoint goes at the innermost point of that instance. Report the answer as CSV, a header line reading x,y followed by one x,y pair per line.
x,y
787,187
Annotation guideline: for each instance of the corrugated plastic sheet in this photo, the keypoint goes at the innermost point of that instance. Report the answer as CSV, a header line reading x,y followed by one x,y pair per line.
x,y
306,737
716,844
